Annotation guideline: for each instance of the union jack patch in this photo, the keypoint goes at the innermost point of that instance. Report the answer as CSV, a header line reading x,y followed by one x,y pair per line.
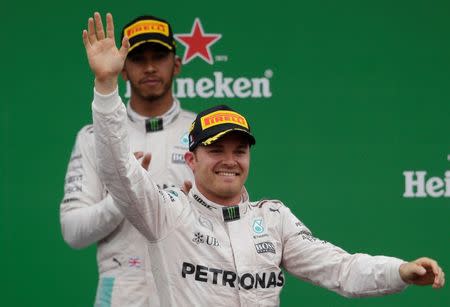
x,y
134,262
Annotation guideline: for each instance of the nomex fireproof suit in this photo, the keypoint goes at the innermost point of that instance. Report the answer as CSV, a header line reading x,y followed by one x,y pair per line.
x,y
205,254
89,215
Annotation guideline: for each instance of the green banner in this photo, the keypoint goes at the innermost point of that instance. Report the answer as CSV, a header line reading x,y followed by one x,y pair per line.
x,y
349,102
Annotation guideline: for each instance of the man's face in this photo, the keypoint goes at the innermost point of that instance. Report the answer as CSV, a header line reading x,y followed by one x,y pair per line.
x,y
150,69
221,169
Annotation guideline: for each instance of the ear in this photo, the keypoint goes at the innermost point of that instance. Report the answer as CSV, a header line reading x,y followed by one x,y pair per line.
x,y
177,68
189,157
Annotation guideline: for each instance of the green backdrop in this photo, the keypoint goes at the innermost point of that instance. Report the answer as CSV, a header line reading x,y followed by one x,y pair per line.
x,y
358,93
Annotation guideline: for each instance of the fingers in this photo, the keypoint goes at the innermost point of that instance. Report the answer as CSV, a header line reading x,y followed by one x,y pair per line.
x,y
99,26
124,48
431,265
86,42
95,28
138,154
146,161
187,186
109,26
428,264
419,270
91,31
439,279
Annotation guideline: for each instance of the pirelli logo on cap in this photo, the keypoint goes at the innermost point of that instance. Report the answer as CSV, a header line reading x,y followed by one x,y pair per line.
x,y
147,26
223,117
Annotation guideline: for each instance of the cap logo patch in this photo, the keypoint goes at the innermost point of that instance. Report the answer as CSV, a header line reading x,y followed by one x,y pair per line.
x,y
222,117
147,26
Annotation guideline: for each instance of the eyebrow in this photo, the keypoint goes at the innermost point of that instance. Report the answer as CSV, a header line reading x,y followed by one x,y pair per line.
x,y
241,145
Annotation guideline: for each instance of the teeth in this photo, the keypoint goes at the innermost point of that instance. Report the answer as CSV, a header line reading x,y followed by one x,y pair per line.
x,y
226,174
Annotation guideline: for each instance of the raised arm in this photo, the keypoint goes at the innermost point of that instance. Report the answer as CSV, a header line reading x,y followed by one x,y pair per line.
x,y
86,215
131,187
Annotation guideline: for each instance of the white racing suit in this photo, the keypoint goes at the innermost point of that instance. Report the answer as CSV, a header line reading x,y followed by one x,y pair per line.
x,y
204,254
89,215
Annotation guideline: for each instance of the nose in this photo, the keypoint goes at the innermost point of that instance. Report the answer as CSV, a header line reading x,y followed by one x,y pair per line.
x,y
150,67
228,159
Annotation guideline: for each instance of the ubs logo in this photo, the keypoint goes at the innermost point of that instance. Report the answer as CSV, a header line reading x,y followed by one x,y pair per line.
x,y
200,238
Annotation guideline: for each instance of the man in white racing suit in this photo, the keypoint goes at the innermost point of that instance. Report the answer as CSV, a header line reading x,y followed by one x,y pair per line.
x,y
155,124
213,247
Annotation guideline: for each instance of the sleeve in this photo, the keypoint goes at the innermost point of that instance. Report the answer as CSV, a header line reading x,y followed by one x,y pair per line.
x,y
86,216
151,210
326,265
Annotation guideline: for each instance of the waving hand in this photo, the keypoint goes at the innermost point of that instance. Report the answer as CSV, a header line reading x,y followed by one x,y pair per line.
x,y
105,59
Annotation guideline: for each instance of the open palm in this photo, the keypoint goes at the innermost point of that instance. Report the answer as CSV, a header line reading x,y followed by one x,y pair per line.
x,y
105,60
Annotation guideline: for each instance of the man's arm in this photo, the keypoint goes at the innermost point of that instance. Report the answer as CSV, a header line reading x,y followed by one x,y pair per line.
x,y
351,275
86,216
151,210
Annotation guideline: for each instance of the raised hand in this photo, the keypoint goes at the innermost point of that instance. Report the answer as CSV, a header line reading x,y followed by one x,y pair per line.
x,y
423,271
105,59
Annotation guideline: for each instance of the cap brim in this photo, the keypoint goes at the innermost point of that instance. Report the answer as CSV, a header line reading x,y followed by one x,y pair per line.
x,y
217,136
155,41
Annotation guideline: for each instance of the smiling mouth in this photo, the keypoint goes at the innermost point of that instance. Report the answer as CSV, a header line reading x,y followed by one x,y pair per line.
x,y
227,173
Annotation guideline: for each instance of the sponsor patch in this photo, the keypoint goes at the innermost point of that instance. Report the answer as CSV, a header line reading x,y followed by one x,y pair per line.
x,y
231,213
185,139
222,117
178,158
265,247
258,227
202,202
147,26
200,238
134,262
223,277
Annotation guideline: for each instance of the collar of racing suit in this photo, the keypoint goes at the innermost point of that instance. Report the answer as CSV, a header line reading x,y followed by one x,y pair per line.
x,y
153,124
224,213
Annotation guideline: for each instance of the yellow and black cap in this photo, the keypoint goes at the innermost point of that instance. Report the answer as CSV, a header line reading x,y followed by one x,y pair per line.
x,y
215,122
149,29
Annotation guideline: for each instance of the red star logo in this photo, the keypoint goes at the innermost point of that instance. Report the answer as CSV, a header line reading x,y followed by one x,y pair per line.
x,y
197,43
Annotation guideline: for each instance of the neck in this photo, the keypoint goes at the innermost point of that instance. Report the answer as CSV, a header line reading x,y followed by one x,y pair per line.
x,y
222,200
151,108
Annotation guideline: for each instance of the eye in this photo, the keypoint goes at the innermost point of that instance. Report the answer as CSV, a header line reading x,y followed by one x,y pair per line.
x,y
241,151
215,150
137,58
160,55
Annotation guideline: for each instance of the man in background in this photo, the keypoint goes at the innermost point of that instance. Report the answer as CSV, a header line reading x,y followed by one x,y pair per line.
x,y
158,130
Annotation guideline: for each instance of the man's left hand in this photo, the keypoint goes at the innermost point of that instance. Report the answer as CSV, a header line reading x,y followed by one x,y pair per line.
x,y
423,271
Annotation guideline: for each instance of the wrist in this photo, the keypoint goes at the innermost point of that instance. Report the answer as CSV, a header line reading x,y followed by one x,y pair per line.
x,y
105,86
